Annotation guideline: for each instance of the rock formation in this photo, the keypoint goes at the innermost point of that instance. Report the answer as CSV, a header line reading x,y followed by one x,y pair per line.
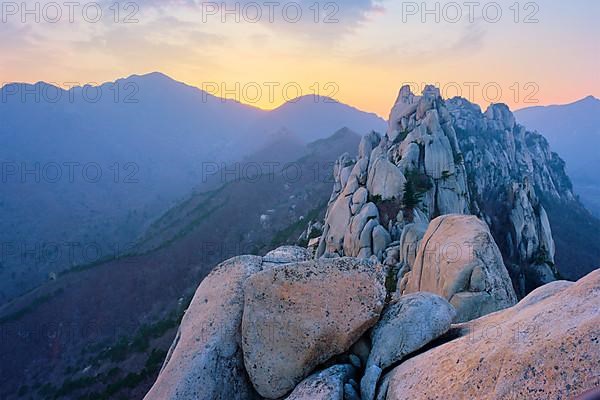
x,y
206,361
509,169
459,260
285,255
425,229
405,326
299,315
545,347
325,385
447,157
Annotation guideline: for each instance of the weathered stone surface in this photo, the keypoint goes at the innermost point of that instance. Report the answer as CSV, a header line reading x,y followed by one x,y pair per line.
x,y
438,157
352,243
325,385
286,255
508,167
546,347
410,157
366,239
297,316
383,387
367,144
459,260
461,161
359,199
405,326
336,222
361,349
500,117
368,382
350,392
409,243
205,361
360,171
385,179
381,239
406,104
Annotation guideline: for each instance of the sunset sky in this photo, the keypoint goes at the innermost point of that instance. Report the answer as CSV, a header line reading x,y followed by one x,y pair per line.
x,y
358,51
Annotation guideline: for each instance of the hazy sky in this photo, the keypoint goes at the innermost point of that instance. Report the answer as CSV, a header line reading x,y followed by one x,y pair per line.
x,y
358,51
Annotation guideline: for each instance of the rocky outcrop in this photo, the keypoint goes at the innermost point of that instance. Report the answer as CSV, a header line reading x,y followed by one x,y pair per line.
x,y
509,169
405,326
459,260
437,215
447,157
298,316
325,385
206,360
545,347
302,330
420,146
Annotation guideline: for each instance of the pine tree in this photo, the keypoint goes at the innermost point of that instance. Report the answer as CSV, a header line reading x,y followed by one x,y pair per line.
x,y
411,198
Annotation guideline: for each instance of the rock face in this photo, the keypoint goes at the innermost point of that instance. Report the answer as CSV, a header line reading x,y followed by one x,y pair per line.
x,y
510,169
298,316
433,220
325,385
206,361
420,146
286,255
459,260
545,347
405,327
447,157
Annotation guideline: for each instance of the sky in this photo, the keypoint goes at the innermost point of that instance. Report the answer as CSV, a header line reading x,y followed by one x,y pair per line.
x,y
359,52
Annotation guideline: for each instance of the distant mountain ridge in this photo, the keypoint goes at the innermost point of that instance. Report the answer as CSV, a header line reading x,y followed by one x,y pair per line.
x,y
136,146
135,298
573,130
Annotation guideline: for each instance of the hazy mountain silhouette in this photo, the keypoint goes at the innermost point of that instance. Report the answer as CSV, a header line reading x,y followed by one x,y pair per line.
x,y
138,299
573,131
89,167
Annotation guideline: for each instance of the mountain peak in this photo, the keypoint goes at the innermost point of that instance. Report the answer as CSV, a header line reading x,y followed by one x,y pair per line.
x,y
155,76
589,99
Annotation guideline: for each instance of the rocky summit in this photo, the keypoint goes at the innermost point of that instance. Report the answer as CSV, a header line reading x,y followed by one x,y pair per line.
x,y
431,236
447,157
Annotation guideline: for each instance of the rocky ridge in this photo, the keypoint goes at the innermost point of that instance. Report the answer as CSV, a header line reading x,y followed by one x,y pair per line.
x,y
409,281
447,157
323,329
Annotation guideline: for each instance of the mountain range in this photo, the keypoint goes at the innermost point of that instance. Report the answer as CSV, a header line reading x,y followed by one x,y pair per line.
x,y
573,130
105,324
107,160
119,317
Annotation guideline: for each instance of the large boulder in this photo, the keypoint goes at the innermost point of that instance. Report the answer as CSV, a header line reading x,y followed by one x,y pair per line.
x,y
325,385
546,347
298,316
205,360
405,327
459,260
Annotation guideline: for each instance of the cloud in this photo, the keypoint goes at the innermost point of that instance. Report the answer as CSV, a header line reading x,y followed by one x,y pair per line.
x,y
325,20
428,46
